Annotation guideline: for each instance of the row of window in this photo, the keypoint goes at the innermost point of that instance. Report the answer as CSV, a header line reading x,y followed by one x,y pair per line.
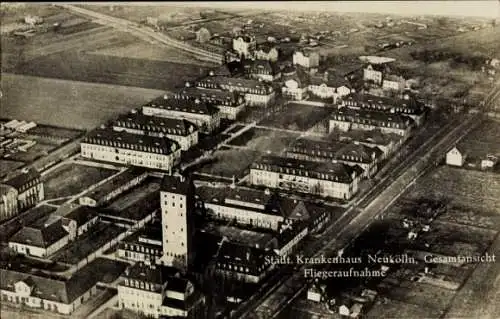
x,y
296,173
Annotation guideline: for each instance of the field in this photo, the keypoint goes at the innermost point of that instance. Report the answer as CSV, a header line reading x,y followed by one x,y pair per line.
x,y
264,140
229,163
490,220
296,117
148,51
78,66
67,103
9,165
392,309
482,141
71,179
465,188
84,246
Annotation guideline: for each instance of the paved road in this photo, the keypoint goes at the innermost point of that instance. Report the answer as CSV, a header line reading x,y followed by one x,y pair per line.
x,y
145,33
361,213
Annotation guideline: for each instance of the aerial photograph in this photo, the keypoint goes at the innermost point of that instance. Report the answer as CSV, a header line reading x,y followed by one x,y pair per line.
x,y
253,160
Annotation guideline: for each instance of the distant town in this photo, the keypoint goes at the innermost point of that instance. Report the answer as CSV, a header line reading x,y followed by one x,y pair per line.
x,y
175,162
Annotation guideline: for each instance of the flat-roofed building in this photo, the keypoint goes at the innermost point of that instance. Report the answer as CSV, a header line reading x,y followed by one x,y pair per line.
x,y
130,149
346,119
256,93
180,130
230,104
204,115
335,180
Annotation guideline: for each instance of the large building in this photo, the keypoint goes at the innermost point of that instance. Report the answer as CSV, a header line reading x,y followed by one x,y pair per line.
x,y
335,180
263,70
159,291
50,293
177,203
295,84
144,246
29,188
204,115
255,92
267,52
8,202
345,119
329,86
244,45
230,104
130,149
306,58
249,207
353,154
408,105
180,130
387,143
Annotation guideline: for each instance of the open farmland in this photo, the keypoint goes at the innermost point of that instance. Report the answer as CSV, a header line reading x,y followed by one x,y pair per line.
x,y
67,103
78,66
264,140
71,179
465,188
392,309
148,51
482,141
296,117
230,162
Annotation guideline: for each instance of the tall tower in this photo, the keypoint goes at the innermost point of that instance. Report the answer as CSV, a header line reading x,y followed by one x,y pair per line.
x,y
177,203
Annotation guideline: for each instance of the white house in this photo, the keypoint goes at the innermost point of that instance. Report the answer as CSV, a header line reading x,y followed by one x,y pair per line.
x,y
455,157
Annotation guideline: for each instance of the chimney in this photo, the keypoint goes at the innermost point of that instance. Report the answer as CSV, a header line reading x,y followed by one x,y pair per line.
x,y
248,256
426,270
165,96
267,191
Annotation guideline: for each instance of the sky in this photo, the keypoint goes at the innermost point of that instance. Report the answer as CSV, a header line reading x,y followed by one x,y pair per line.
x,y
481,8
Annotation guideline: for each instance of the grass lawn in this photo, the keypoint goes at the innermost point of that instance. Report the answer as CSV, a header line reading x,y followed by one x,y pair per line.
x,y
71,179
230,162
88,243
296,117
70,104
264,140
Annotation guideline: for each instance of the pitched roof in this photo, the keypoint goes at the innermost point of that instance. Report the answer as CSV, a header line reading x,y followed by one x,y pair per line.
x,y
331,80
220,81
157,274
215,96
259,66
182,105
299,76
155,124
176,184
42,237
337,172
243,256
145,143
82,215
22,178
373,117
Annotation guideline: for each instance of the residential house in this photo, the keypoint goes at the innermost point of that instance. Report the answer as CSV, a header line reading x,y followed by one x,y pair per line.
x,y
203,35
204,115
180,130
455,157
130,149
